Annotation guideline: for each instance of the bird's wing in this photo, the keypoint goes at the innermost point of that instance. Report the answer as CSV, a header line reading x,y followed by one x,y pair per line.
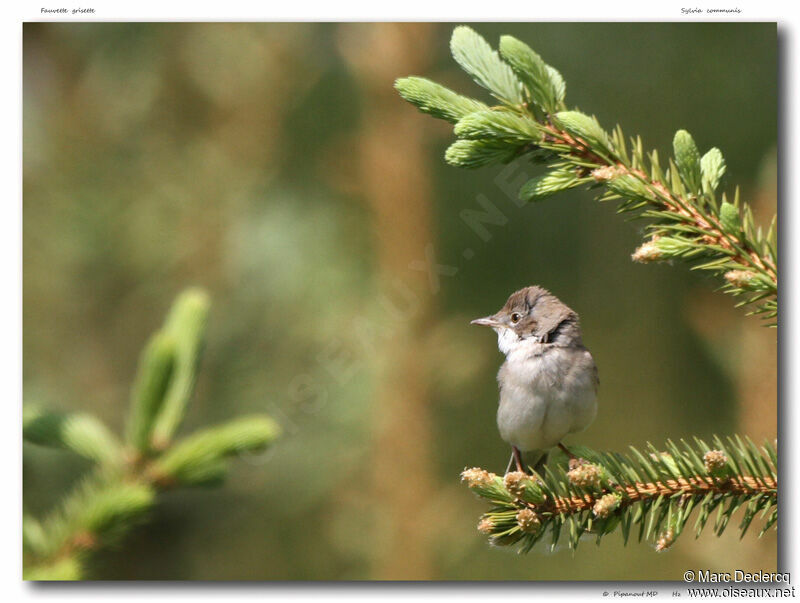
x,y
595,374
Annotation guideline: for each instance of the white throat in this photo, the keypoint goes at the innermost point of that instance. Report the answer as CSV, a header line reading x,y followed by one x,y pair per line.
x,y
507,339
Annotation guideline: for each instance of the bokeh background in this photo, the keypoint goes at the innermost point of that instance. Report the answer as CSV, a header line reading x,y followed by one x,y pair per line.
x,y
275,166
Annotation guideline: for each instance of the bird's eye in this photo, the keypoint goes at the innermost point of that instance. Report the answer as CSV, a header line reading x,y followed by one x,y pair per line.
x,y
516,317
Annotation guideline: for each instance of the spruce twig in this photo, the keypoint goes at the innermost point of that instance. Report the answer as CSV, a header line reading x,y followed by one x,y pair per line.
x,y
123,487
659,492
687,218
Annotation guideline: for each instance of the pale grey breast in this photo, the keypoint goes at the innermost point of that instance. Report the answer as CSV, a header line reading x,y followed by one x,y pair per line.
x,y
546,392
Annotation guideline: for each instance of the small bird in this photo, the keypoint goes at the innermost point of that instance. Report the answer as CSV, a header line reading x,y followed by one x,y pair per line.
x,y
548,383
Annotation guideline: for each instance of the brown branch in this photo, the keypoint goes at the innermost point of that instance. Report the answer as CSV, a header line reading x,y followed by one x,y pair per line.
x,y
640,491
730,243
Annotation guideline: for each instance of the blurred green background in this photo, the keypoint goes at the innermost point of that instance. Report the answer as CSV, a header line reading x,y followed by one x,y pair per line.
x,y
274,165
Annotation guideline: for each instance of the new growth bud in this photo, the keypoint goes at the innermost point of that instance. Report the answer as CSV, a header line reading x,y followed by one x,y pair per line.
x,y
486,484
515,482
486,525
665,540
647,252
605,173
524,487
740,278
715,462
606,505
528,521
584,474
477,477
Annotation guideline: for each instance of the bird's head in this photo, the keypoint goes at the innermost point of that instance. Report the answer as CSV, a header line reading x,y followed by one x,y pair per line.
x,y
533,314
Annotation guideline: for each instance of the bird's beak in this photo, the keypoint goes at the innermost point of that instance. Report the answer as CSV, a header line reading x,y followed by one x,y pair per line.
x,y
487,321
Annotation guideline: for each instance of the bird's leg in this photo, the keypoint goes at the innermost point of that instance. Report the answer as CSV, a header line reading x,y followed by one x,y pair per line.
x,y
566,451
518,459
510,463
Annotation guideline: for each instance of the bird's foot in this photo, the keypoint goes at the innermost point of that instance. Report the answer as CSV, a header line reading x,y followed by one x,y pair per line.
x,y
518,459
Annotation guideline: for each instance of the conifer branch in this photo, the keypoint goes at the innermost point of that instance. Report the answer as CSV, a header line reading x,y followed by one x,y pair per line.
x,y
122,488
654,494
688,220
